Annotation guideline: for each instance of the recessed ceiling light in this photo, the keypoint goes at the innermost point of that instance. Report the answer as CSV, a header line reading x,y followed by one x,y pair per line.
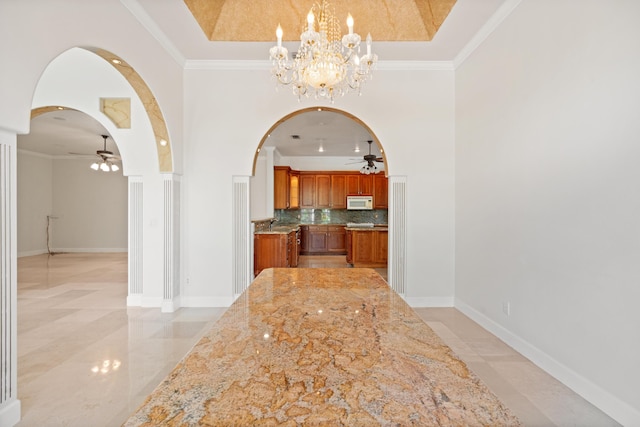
x,y
60,108
321,150
163,142
116,61
357,149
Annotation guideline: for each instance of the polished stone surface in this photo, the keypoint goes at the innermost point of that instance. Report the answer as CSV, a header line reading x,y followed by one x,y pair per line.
x,y
321,347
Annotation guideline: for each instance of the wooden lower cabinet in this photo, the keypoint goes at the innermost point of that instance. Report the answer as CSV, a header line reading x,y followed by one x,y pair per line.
x,y
275,250
368,248
323,239
336,239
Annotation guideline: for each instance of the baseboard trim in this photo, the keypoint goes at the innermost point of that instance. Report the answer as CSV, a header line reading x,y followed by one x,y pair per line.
x,y
134,300
89,250
10,413
620,411
430,301
32,253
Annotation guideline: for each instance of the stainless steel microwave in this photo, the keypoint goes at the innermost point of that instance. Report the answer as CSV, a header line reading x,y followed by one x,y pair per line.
x,y
359,202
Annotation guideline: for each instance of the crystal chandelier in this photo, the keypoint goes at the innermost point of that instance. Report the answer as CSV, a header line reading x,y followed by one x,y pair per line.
x,y
324,65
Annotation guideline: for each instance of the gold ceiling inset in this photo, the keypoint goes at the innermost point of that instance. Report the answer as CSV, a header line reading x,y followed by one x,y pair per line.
x,y
256,20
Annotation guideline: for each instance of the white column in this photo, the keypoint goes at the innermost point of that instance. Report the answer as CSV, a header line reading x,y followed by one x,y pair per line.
x,y
269,178
134,298
242,236
9,403
171,277
397,269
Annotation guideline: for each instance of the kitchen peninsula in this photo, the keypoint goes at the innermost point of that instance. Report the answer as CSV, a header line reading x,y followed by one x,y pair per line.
x,y
321,347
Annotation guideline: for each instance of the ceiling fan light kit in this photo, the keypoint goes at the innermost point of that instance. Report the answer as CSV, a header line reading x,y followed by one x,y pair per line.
x,y
324,65
107,159
370,167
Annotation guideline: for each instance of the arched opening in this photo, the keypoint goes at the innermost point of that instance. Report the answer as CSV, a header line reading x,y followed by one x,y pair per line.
x,y
329,142
63,204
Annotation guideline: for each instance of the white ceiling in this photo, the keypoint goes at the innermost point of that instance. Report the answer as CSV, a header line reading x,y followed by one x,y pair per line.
x,y
171,23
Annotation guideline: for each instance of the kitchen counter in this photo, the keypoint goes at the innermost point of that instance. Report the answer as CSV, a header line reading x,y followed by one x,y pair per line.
x,y
279,229
321,347
377,227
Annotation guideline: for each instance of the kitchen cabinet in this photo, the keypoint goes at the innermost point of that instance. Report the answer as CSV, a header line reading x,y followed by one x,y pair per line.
x,y
339,191
380,191
323,239
368,248
304,239
286,188
281,187
293,248
278,250
317,239
359,184
323,191
336,239
348,242
307,191
315,191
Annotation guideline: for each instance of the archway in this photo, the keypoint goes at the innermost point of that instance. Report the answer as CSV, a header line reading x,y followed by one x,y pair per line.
x,y
396,218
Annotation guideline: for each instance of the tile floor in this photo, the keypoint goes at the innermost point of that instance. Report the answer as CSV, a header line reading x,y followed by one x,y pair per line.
x,y
85,359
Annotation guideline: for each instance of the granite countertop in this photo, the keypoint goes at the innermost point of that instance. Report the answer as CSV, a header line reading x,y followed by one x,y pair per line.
x,y
279,229
377,227
321,347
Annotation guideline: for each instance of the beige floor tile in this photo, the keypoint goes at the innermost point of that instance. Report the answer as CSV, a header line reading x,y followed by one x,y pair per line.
x,y
73,324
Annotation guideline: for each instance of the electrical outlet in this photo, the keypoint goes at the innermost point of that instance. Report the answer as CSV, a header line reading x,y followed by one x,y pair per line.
x,y
506,308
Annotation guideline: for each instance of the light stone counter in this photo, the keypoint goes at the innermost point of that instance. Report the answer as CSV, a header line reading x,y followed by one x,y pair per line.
x,y
321,347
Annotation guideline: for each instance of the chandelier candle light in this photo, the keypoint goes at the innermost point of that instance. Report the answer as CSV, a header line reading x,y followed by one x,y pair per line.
x,y
323,66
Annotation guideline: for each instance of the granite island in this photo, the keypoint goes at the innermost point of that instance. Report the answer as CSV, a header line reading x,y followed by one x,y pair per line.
x,y
321,347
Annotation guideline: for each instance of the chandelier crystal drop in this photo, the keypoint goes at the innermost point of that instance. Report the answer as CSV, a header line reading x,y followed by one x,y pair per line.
x,y
325,66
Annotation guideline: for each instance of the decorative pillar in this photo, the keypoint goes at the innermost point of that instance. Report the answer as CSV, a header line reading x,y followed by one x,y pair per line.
x,y
171,276
242,236
397,270
134,298
9,403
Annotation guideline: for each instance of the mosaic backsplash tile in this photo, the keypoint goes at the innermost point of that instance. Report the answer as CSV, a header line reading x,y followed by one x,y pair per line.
x,y
329,216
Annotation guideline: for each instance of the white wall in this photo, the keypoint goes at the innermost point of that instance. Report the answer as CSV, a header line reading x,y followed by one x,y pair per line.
x,y
91,207
35,201
547,184
230,112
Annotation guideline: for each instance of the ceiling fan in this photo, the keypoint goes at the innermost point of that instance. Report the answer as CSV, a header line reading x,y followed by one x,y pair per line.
x,y
370,159
107,159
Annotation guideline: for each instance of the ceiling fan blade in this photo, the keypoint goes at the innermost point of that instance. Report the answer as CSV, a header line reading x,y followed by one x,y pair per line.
x,y
379,159
353,163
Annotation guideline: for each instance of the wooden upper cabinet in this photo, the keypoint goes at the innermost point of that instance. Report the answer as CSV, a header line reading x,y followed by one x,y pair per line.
x,y
326,189
380,191
307,191
366,184
339,191
359,184
353,184
281,187
323,191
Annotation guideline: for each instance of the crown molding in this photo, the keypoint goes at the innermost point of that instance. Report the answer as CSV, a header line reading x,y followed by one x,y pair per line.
x,y
243,65
149,24
489,27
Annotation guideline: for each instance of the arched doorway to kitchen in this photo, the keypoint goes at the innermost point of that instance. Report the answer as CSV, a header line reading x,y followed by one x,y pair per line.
x,y
336,141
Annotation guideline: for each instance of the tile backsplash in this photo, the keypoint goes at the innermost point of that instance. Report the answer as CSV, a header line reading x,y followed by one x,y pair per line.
x,y
329,216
